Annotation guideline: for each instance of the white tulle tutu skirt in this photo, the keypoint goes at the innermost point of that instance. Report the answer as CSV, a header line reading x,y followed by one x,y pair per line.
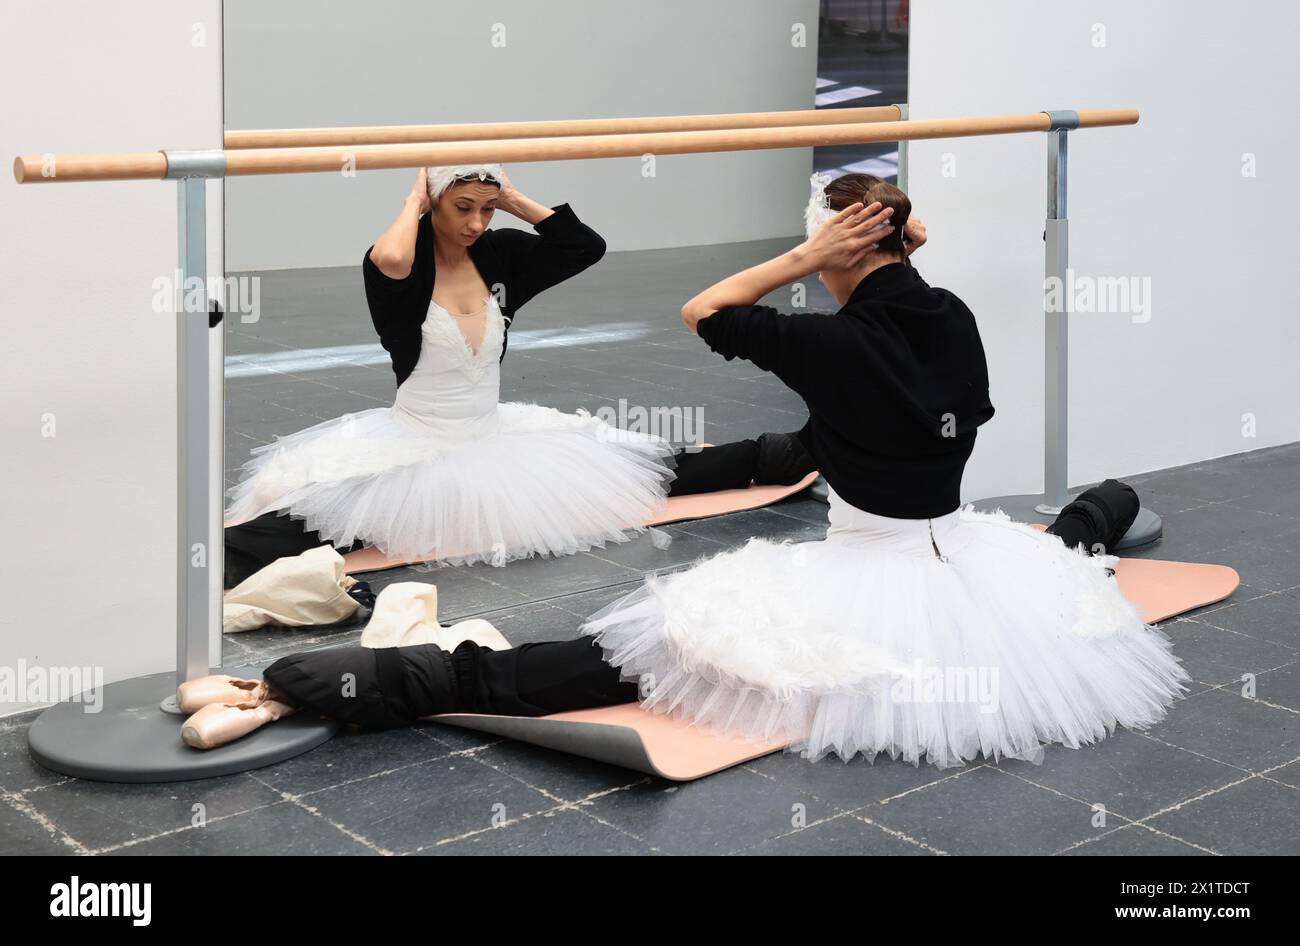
x,y
868,642
527,480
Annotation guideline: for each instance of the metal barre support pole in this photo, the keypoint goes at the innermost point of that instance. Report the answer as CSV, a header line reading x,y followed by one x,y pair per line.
x,y
1044,507
194,545
1056,329
135,735
197,554
903,113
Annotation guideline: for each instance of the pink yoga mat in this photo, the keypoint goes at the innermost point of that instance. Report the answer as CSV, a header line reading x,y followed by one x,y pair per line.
x,y
660,745
1164,589
624,735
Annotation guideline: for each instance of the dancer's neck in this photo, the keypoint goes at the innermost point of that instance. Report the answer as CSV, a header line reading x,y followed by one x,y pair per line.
x,y
444,255
873,262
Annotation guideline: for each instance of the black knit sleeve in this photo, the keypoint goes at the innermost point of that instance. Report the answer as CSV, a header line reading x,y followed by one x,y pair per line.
x,y
562,247
774,341
384,294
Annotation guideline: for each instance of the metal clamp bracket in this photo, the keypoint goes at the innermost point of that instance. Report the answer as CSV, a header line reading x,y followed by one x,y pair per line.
x,y
903,114
1066,118
208,163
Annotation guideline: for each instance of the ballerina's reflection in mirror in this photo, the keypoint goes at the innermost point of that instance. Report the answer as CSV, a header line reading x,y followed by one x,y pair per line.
x,y
449,471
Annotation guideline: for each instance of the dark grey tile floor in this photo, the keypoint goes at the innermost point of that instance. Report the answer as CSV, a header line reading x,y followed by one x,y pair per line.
x,y
1220,775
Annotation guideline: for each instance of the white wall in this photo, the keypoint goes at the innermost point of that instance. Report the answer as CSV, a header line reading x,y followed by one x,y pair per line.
x,y
88,515
306,63
1164,199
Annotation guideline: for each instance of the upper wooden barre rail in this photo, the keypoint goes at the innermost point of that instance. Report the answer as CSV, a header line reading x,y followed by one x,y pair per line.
x,y
485,131
146,165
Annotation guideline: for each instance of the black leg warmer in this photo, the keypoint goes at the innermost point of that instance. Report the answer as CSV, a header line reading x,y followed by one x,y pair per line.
x,y
394,686
1099,517
725,466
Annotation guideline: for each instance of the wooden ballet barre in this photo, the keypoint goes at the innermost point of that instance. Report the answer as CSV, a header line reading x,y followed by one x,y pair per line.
x,y
146,165
485,131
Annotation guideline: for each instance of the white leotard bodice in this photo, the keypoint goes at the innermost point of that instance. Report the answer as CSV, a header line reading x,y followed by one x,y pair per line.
x,y
453,390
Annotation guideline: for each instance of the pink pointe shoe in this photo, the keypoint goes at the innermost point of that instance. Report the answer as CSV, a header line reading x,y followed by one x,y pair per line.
x,y
217,688
219,723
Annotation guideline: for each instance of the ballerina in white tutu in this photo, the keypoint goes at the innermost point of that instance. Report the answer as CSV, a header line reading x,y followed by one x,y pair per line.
x,y
449,472
917,628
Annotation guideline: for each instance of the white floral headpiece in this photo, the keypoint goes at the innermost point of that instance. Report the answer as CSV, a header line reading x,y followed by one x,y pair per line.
x,y
442,176
818,210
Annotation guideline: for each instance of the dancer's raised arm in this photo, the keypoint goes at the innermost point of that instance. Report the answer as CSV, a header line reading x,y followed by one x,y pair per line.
x,y
394,251
839,243
562,247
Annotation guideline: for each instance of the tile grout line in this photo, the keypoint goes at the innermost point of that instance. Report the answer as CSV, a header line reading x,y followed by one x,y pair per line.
x,y
583,806
508,823
946,778
580,804
845,812
838,814
899,835
746,766
1199,755
43,821
180,829
1178,806
297,801
1132,825
1091,806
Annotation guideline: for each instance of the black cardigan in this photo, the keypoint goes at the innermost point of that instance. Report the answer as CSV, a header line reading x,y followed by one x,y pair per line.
x,y
895,383
515,265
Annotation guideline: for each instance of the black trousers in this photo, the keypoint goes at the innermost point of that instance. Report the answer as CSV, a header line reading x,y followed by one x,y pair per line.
x,y
394,686
771,458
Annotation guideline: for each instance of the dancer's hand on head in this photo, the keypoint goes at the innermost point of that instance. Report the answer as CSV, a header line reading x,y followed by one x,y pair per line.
x,y
842,241
506,199
913,235
420,191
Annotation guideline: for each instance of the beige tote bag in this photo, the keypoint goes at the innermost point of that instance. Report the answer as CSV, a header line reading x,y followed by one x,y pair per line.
x,y
296,590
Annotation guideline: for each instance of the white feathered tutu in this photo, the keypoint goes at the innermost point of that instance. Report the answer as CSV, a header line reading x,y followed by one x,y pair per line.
x,y
449,473
540,482
869,642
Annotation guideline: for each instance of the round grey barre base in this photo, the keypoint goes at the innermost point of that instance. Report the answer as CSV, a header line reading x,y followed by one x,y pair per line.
x,y
130,739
